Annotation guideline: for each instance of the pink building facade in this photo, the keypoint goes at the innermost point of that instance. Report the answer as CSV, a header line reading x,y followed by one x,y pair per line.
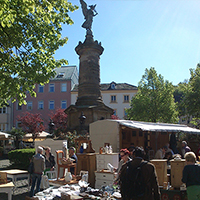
x,y
56,94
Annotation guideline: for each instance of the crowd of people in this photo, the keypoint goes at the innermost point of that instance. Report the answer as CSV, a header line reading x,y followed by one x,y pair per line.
x,y
132,158
191,172
43,163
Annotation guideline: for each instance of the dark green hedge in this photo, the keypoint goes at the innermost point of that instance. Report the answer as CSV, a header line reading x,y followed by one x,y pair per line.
x,y
21,157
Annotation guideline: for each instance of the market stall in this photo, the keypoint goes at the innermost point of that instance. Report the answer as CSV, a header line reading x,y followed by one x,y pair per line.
x,y
41,136
7,142
77,191
121,133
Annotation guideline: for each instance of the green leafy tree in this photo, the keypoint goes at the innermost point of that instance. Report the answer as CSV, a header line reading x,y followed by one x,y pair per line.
x,y
154,101
30,34
180,92
18,134
192,96
192,99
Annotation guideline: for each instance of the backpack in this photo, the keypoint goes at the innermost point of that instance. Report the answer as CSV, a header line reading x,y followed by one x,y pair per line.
x,y
31,167
134,185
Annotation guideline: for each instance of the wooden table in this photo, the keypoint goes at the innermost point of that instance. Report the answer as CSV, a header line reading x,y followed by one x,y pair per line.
x,y
7,188
14,174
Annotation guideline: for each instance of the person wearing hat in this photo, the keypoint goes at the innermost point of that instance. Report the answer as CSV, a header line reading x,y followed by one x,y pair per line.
x,y
160,154
39,167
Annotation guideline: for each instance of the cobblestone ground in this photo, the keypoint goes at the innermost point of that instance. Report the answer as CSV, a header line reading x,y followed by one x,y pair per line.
x,y
21,190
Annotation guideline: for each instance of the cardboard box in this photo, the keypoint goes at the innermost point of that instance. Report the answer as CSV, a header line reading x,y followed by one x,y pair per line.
x,y
161,170
177,172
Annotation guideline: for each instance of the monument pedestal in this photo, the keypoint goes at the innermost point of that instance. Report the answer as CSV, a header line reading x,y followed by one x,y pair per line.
x,y
92,113
89,99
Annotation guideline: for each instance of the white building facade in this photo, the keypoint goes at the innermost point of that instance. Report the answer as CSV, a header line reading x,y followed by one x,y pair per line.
x,y
115,95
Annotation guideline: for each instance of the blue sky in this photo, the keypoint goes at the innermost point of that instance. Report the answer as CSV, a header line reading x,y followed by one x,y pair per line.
x,y
139,34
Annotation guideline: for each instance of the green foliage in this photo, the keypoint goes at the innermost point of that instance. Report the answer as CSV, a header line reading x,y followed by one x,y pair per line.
x,y
1,149
17,134
154,101
192,99
180,92
21,157
30,34
70,137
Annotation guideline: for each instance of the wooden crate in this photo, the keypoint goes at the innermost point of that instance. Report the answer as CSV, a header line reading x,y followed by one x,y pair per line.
x,y
177,172
161,170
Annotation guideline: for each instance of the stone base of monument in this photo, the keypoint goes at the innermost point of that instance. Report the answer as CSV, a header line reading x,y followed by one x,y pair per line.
x,y
92,113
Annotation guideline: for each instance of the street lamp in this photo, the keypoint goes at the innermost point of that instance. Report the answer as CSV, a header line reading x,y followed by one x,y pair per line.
x,y
51,126
82,120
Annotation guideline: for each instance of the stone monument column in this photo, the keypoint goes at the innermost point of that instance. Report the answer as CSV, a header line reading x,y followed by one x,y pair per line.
x,y
89,52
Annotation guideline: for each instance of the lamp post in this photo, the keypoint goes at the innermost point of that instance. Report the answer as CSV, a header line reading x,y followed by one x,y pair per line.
x,y
82,120
51,126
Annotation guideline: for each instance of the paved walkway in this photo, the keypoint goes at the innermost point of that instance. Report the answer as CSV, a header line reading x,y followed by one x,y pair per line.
x,y
21,190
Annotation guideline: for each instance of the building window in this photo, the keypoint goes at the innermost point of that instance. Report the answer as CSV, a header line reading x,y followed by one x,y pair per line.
x,y
60,75
63,104
41,88
29,105
64,87
51,105
113,99
51,87
126,98
19,107
4,127
40,105
112,86
3,110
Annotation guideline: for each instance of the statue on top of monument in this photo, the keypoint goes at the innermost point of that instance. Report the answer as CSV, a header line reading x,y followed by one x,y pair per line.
x,y
88,14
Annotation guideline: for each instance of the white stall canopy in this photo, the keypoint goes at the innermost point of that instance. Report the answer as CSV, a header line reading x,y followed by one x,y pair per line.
x,y
158,127
4,136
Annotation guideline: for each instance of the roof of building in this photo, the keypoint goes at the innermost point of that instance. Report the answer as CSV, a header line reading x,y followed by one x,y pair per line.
x,y
64,72
112,86
158,127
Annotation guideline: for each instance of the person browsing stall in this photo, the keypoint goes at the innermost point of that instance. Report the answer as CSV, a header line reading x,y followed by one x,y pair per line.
x,y
73,156
49,160
160,154
185,148
191,176
39,166
125,157
150,182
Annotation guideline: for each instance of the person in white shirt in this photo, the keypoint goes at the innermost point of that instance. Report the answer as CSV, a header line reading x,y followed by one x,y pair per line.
x,y
160,154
